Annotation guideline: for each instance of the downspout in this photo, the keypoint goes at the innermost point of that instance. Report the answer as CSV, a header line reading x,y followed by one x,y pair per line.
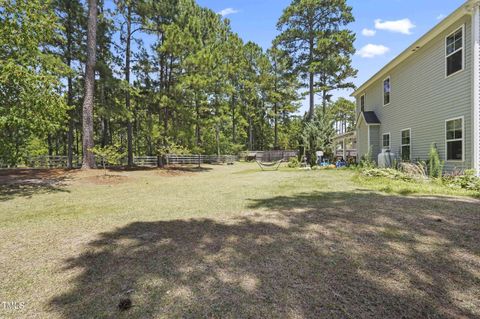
x,y
476,88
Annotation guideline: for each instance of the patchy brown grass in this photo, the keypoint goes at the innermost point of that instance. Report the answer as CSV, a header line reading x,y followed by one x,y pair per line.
x,y
285,244
28,182
105,179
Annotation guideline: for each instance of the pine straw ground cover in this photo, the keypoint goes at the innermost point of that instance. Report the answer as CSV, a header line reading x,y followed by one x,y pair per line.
x,y
234,242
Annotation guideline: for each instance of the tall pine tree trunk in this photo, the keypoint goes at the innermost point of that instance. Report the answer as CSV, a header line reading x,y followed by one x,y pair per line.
x,y
197,123
324,102
127,79
312,97
275,124
234,121
217,138
71,112
88,144
71,124
311,75
250,134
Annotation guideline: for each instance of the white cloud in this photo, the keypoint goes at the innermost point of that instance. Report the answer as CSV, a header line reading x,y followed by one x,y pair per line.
x,y
372,50
441,17
227,11
368,32
402,26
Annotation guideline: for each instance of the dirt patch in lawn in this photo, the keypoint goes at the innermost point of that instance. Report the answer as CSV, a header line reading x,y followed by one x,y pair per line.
x,y
28,182
178,170
105,179
12,176
172,173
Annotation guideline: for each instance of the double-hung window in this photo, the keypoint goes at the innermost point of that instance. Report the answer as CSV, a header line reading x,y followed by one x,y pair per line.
x,y
454,139
406,145
387,89
362,103
455,42
386,141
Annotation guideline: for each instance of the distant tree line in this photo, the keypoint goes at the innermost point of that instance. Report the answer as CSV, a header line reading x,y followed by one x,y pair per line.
x,y
139,75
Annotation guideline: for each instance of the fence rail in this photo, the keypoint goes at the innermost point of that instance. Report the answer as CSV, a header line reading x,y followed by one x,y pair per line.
x,y
269,156
200,159
47,161
145,161
142,161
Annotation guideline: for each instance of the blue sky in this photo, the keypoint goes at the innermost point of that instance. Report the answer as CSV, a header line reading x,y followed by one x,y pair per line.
x,y
391,26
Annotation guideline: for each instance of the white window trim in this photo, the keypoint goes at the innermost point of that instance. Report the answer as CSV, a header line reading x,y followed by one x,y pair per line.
x,y
389,140
463,52
455,140
383,90
402,145
364,95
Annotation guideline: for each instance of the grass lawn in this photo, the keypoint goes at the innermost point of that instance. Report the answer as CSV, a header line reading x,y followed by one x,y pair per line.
x,y
234,242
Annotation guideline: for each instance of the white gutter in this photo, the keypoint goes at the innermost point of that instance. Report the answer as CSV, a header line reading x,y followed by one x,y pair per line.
x,y
417,45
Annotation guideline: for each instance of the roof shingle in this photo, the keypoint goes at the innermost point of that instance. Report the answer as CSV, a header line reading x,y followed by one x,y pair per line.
x,y
371,118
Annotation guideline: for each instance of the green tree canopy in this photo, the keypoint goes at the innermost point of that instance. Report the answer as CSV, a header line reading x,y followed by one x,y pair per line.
x,y
31,104
314,33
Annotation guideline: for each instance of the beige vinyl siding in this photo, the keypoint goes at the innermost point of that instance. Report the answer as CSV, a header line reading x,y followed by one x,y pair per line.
x,y
375,141
362,143
476,108
422,98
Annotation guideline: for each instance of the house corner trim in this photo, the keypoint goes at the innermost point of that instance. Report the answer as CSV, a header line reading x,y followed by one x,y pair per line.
x,y
476,88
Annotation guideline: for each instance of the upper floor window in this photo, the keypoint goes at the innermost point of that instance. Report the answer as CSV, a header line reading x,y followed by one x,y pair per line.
x,y
406,146
362,103
387,88
454,51
454,139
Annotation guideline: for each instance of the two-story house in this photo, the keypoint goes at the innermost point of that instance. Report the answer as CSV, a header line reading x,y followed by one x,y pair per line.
x,y
429,94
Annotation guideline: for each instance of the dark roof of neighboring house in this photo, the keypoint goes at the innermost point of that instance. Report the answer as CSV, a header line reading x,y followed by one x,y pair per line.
x,y
370,117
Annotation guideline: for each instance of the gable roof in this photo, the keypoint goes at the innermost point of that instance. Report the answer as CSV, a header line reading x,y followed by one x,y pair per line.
x,y
412,49
369,117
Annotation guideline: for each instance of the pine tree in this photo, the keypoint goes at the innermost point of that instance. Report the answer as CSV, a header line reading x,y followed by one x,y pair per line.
x,y
313,33
283,93
71,16
88,142
342,111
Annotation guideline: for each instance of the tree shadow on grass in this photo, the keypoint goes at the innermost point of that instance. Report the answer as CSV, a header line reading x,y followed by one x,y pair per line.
x,y
30,182
189,168
318,255
177,168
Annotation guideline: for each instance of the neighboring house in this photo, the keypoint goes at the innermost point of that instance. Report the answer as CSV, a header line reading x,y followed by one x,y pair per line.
x,y
429,94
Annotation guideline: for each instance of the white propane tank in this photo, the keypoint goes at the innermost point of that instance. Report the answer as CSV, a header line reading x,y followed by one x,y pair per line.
x,y
386,159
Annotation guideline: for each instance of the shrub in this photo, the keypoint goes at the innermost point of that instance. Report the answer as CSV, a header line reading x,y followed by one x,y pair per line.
x,y
414,170
293,162
171,147
366,161
385,173
435,165
109,155
466,181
